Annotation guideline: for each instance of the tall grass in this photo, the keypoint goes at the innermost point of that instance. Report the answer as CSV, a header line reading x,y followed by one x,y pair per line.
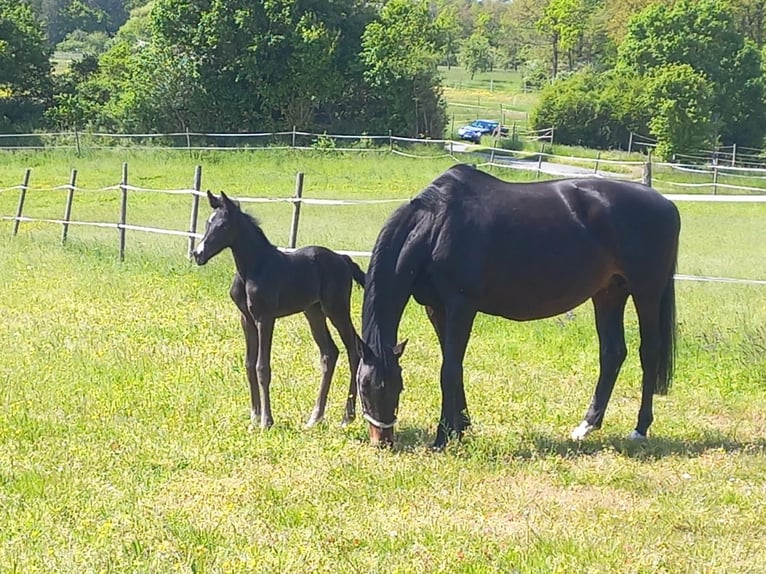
x,y
124,442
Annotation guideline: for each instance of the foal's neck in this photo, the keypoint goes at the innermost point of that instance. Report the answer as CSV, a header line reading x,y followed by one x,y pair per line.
x,y
252,249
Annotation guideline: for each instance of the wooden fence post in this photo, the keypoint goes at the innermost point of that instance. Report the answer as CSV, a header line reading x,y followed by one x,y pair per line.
x,y
630,142
646,177
68,206
197,186
598,158
123,209
22,197
715,179
296,211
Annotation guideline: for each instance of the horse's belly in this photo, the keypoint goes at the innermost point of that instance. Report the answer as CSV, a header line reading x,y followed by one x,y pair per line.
x,y
524,297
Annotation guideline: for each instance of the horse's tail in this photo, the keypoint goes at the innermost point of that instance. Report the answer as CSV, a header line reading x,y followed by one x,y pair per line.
x,y
356,272
667,334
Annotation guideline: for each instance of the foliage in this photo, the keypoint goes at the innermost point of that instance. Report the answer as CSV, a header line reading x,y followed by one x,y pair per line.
x,y
701,35
84,42
62,17
681,99
25,71
399,53
476,54
593,109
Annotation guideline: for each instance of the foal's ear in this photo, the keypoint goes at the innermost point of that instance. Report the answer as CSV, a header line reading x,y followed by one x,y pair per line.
x,y
214,201
228,201
399,349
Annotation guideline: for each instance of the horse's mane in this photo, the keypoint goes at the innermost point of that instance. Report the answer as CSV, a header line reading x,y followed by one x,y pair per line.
x,y
400,243
254,225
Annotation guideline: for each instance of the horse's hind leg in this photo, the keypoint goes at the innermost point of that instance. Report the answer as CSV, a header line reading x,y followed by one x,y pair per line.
x,y
329,357
342,322
251,362
648,311
609,305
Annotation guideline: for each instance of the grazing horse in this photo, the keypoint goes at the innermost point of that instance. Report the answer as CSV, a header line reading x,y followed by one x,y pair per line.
x,y
269,284
471,243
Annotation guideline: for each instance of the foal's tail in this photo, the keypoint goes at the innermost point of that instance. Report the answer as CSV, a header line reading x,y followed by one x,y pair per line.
x,y
356,271
667,335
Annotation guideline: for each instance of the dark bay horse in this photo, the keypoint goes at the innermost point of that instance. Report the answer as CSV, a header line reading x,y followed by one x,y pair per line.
x,y
471,243
269,284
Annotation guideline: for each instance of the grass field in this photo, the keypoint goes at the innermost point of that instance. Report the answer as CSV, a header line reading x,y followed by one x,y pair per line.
x,y
124,442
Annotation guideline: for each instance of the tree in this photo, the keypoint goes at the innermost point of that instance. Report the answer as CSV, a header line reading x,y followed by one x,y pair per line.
x,y
448,34
701,35
399,53
680,99
563,21
25,72
476,54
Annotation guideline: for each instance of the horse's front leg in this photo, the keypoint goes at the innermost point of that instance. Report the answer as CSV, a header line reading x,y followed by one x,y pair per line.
x,y
239,296
263,368
251,363
457,332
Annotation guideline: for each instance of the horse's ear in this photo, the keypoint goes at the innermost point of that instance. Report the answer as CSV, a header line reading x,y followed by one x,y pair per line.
x,y
363,350
228,201
214,201
399,349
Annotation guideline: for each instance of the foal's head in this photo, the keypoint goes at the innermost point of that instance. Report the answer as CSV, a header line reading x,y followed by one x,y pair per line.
x,y
220,230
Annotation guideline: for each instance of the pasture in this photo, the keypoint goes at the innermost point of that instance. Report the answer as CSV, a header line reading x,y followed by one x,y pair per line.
x,y
124,441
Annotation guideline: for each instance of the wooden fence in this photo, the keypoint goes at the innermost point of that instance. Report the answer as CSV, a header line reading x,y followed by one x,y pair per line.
x,y
297,199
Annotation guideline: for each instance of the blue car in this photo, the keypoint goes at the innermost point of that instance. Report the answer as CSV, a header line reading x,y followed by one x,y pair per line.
x,y
478,128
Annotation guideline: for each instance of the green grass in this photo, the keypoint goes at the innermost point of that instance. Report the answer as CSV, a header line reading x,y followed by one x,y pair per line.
x,y
124,442
496,95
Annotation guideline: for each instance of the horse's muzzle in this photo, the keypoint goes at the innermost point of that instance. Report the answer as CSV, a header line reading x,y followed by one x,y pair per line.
x,y
381,436
199,257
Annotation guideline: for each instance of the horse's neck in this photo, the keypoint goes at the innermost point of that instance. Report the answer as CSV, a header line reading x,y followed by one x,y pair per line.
x,y
252,249
389,284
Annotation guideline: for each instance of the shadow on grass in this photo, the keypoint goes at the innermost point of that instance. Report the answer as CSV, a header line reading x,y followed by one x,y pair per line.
x,y
538,445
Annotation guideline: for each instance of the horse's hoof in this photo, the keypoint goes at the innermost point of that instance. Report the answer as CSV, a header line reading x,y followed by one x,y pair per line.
x,y
582,431
313,421
347,420
636,436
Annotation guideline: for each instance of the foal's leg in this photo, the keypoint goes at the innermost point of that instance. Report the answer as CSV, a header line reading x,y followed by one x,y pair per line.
x,y
251,362
609,305
237,293
328,356
438,319
458,324
263,368
648,311
342,322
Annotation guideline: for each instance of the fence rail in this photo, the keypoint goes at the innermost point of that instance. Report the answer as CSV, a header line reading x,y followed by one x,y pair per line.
x,y
296,200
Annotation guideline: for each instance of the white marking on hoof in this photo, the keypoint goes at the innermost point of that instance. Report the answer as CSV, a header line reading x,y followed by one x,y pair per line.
x,y
582,431
636,436
313,421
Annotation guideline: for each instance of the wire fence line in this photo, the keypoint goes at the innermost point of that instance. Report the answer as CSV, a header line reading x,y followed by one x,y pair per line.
x,y
296,200
505,152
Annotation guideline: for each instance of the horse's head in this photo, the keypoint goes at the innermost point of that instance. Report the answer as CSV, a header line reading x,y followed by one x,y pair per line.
x,y
220,229
379,382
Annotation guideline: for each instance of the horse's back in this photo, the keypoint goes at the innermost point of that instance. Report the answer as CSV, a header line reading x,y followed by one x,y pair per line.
x,y
528,250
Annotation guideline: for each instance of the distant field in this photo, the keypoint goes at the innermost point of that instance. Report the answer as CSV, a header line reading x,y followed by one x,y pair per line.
x,y
494,95
123,412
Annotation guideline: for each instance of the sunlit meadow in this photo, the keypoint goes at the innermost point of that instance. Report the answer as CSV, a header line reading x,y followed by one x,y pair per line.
x,y
124,440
